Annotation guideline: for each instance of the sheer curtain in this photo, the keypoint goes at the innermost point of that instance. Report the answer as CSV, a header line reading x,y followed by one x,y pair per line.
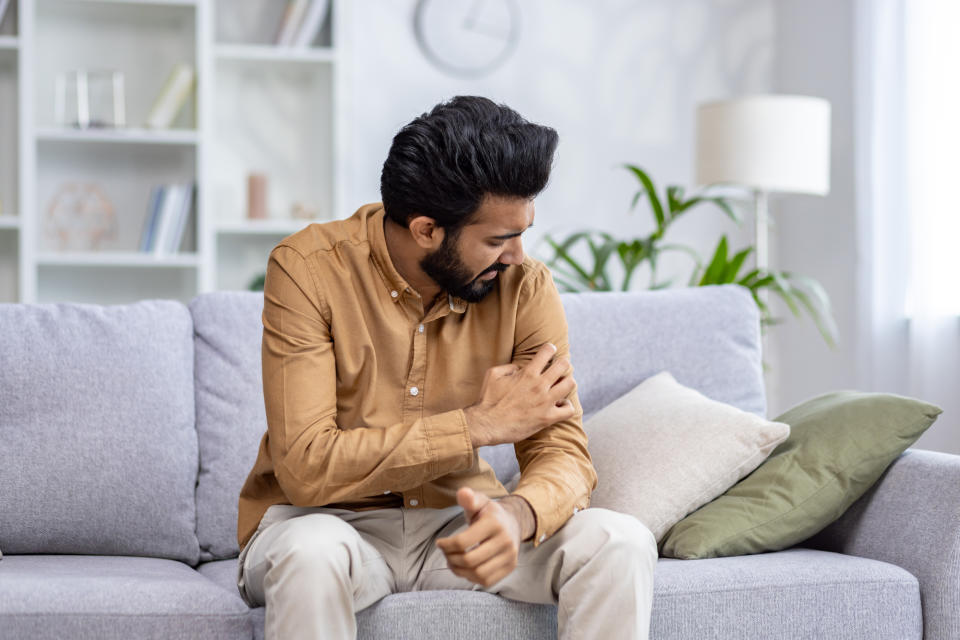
x,y
907,103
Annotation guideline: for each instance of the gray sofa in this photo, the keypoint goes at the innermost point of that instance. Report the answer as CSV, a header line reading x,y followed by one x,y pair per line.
x,y
127,430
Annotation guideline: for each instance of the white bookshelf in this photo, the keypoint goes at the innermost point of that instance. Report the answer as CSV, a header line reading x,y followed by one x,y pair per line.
x,y
256,107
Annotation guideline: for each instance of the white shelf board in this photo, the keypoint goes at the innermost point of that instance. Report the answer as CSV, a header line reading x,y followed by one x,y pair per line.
x,y
116,258
268,226
274,53
128,135
9,42
9,222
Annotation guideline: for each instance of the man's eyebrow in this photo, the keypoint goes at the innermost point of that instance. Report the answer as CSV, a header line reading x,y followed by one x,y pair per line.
x,y
511,235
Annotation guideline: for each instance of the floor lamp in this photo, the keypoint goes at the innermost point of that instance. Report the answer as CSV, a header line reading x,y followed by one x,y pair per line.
x,y
766,143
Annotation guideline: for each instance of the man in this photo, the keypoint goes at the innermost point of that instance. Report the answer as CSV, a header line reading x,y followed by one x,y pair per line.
x,y
395,343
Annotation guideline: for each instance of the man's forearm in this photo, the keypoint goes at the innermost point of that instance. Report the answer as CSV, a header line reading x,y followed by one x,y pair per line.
x,y
523,512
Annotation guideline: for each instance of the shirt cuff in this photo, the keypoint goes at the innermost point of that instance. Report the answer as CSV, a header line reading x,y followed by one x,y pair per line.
x,y
550,511
448,442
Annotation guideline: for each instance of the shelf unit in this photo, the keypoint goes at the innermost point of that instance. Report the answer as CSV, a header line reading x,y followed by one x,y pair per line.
x,y
255,107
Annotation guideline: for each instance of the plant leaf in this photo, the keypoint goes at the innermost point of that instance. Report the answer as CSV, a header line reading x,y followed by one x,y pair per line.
x,y
651,193
730,272
717,264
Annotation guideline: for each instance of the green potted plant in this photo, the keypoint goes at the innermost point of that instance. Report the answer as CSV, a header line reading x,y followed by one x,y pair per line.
x,y
800,293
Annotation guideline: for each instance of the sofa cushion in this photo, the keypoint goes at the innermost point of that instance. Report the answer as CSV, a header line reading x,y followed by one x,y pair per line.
x,y
104,597
97,433
231,418
797,593
840,444
662,450
707,337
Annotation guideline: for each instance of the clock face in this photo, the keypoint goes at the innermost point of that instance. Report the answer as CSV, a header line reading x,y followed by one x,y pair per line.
x,y
467,37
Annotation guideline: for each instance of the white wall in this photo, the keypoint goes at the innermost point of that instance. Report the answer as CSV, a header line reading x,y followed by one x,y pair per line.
x,y
618,79
816,236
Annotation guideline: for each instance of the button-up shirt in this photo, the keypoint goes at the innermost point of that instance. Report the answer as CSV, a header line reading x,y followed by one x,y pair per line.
x,y
364,388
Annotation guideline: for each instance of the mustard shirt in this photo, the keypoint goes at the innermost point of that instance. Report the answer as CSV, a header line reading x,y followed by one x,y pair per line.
x,y
364,389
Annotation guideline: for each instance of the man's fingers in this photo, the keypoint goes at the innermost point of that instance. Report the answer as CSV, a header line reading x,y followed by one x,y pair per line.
x,y
476,533
504,370
489,548
490,572
541,358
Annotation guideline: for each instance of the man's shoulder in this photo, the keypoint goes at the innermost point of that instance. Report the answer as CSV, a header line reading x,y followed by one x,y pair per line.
x,y
322,237
532,271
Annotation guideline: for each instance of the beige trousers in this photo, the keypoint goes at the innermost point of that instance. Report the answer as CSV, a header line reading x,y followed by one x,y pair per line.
x,y
315,567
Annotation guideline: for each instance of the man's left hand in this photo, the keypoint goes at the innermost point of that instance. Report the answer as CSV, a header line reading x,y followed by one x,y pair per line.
x,y
486,551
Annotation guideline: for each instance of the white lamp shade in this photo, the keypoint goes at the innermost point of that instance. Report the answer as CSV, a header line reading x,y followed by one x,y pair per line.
x,y
768,142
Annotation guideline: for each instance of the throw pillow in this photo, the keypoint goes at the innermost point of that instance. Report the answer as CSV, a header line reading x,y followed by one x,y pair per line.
x,y
839,445
663,449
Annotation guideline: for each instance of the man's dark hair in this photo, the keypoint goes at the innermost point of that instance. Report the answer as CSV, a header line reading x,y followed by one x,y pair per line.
x,y
443,163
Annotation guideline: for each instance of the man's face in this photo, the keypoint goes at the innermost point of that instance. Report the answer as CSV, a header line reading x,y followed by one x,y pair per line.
x,y
467,266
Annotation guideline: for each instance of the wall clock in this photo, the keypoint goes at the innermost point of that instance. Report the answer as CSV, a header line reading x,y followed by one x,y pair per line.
x,y
467,37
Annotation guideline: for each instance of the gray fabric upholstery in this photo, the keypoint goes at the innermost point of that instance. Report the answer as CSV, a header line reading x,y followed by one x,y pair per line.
x,y
911,518
707,337
112,597
230,412
97,437
796,593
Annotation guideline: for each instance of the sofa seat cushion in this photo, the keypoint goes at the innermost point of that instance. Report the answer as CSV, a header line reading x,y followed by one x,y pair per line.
x,y
104,597
795,593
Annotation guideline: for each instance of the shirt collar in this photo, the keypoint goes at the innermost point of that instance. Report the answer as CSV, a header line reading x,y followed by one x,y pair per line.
x,y
394,282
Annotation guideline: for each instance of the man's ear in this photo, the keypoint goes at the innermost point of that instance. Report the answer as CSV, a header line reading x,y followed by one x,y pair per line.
x,y
425,232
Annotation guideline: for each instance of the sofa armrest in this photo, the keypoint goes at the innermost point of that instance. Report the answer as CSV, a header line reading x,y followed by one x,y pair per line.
x,y
911,518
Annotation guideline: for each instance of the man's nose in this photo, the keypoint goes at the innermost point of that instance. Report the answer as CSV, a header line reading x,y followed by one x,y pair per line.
x,y
514,252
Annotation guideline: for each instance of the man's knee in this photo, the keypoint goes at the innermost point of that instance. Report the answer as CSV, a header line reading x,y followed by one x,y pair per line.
x,y
616,533
314,542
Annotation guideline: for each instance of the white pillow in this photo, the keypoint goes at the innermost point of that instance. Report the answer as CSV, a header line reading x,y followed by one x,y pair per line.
x,y
662,450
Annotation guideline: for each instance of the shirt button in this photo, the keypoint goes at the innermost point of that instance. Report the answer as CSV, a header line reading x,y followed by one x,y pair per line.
x,y
394,294
420,328
543,537
414,502
414,391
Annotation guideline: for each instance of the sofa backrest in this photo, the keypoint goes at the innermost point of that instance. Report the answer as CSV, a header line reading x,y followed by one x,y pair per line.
x,y
707,337
98,447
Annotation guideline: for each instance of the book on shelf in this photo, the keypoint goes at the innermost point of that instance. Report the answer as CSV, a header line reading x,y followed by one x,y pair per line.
x,y
168,211
173,95
302,20
312,22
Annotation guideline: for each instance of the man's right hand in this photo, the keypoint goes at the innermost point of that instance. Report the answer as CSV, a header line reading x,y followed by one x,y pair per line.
x,y
516,402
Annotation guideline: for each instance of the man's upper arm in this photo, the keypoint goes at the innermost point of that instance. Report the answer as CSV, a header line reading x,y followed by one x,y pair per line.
x,y
557,473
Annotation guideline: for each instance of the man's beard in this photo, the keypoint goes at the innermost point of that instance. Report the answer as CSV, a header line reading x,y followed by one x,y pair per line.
x,y
448,270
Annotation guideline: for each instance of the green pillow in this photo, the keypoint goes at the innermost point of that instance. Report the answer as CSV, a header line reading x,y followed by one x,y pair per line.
x,y
840,443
